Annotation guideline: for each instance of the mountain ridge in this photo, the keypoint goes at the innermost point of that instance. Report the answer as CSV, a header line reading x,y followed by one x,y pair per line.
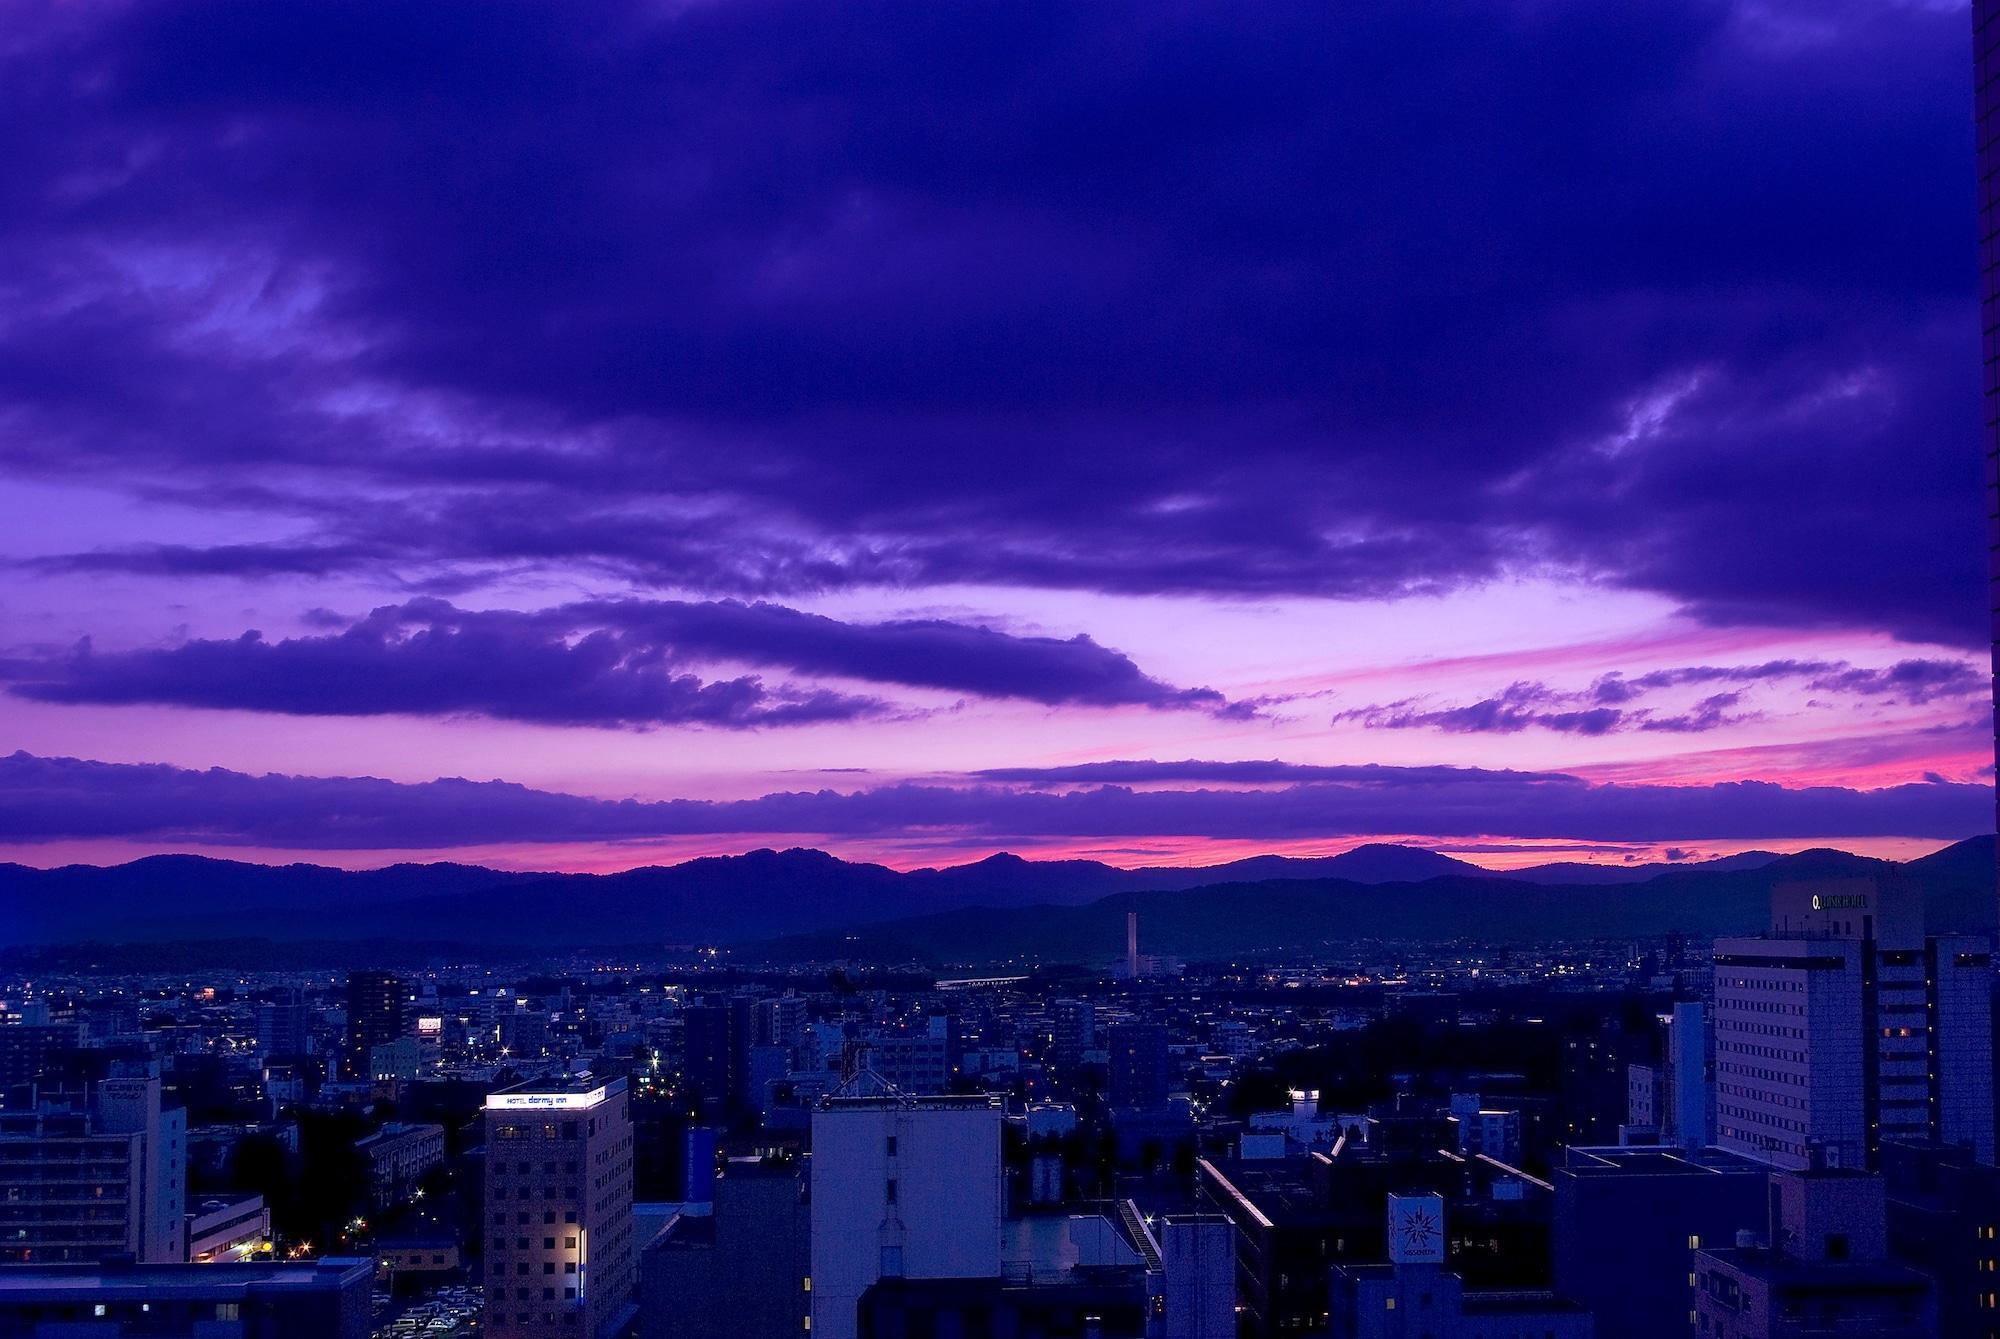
x,y
771,895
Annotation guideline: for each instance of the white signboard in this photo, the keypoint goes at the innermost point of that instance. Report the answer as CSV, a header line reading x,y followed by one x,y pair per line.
x,y
544,1101
1416,1229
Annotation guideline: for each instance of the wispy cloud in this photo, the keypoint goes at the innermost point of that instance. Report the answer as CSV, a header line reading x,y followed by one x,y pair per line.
x,y
46,799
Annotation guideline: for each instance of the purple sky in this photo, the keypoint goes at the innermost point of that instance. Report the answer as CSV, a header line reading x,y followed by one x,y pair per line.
x,y
1160,432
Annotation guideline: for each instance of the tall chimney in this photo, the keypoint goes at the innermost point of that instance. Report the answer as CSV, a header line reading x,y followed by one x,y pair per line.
x,y
1132,945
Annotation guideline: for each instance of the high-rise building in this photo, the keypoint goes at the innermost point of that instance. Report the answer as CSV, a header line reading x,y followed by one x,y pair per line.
x,y
78,1186
1595,1095
377,1014
902,1188
716,1043
560,1253
1687,1105
284,1026
1073,1030
1137,1076
916,1060
778,1022
1844,1026
744,1268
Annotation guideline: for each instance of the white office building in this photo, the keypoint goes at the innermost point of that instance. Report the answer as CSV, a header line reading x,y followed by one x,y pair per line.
x,y
1830,1029
902,1187
79,1185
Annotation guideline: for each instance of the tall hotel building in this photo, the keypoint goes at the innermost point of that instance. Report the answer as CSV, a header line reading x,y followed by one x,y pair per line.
x,y
559,1250
1845,1026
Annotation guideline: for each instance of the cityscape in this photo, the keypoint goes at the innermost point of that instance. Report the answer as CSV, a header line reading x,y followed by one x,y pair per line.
x,y
878,671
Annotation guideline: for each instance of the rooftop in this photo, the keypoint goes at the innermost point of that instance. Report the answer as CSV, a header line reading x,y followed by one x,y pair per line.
x,y
219,1280
1784,1271
574,1093
1654,1160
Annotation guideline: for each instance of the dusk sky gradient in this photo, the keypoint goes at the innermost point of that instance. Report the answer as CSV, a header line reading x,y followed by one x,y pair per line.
x,y
578,437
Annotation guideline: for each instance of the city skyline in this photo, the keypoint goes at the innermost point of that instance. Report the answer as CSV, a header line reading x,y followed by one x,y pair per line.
x,y
918,434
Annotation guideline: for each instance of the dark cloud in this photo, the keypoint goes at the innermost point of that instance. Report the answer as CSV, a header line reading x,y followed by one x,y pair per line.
x,y
1513,709
1913,681
601,679
608,663
43,799
1147,771
1711,713
1607,705
775,296
231,560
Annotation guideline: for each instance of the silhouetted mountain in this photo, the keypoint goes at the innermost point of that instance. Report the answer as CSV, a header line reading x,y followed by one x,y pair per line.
x,y
1580,872
986,911
118,901
1222,920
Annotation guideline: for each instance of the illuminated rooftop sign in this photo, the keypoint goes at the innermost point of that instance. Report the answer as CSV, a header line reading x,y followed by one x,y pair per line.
x,y
545,1101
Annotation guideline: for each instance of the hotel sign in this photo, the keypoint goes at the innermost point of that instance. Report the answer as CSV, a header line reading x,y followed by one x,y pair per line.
x,y
545,1101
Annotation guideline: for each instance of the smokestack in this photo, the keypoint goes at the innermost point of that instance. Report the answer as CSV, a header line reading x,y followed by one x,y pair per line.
x,y
1132,945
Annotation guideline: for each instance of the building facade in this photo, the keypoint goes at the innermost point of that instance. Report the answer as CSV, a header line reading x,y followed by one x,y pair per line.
x,y
377,1014
77,1186
318,1299
560,1257
1845,1026
902,1187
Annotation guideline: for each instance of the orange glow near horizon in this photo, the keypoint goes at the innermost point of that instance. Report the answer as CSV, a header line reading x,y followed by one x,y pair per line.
x,y
915,853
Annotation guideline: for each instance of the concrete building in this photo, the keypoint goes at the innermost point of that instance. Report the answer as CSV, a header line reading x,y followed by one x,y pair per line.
x,y
377,1014
1197,1254
1137,1075
1829,1029
231,1228
284,1026
1414,1296
418,1255
742,1268
27,1050
318,1299
1687,1077
1822,1268
1644,1088
1629,1220
1296,1216
398,1061
915,1060
1072,1031
1480,1130
110,1179
1944,1218
560,1249
398,1156
778,1022
902,1188
716,1055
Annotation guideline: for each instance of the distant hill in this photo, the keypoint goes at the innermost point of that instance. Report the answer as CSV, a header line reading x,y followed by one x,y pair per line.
x,y
1220,920
806,900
